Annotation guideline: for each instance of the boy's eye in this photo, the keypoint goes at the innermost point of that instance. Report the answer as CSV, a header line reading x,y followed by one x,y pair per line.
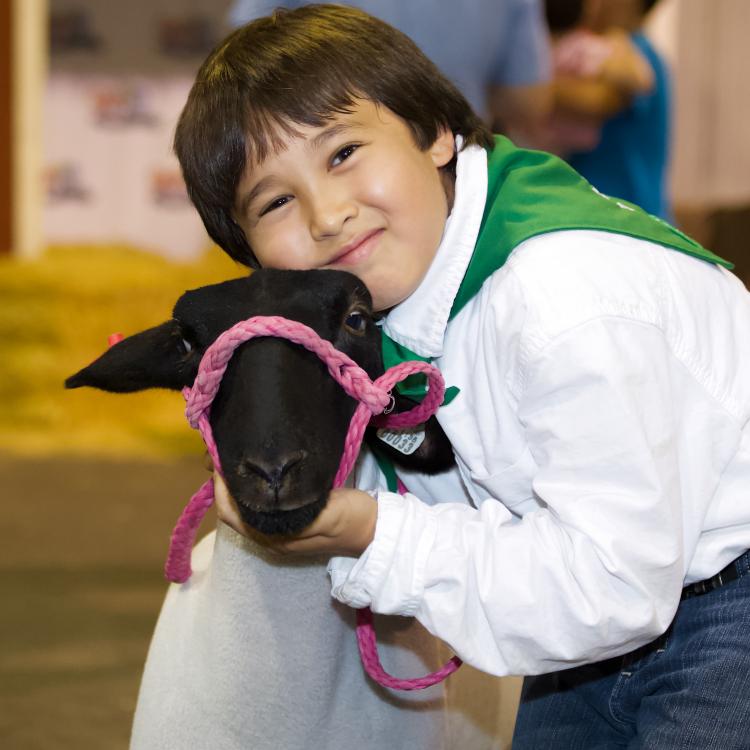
x,y
276,203
343,154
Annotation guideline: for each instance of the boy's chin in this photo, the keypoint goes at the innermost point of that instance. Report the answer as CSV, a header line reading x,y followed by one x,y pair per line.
x,y
383,301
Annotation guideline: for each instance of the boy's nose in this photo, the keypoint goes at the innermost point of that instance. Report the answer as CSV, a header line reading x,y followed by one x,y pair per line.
x,y
329,214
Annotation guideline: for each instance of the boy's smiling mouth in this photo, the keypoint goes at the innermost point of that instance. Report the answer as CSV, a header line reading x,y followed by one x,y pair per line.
x,y
358,249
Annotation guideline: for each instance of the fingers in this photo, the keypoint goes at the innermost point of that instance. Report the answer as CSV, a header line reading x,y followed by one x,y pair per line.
x,y
228,513
581,54
226,508
294,546
346,525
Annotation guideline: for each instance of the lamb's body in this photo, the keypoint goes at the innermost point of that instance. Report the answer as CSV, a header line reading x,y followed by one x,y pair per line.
x,y
252,652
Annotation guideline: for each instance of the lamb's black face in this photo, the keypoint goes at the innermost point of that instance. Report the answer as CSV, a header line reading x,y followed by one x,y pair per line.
x,y
279,418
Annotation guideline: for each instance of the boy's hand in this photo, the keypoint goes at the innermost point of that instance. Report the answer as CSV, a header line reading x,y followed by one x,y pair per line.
x,y
346,526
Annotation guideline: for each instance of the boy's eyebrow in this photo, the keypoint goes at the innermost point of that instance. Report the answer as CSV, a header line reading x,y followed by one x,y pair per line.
x,y
252,194
330,132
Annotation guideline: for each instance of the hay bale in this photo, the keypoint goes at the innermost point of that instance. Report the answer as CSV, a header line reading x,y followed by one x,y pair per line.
x,y
55,315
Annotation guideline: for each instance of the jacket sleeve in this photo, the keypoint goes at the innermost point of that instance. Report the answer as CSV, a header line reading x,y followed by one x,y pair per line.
x,y
597,569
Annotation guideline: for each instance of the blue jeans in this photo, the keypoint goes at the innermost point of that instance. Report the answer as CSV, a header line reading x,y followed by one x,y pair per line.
x,y
688,689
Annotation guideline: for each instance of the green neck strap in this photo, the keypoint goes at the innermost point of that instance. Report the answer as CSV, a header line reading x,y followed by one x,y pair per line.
x,y
531,193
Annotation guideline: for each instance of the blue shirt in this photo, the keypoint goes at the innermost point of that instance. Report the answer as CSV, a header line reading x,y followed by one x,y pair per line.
x,y
630,161
475,43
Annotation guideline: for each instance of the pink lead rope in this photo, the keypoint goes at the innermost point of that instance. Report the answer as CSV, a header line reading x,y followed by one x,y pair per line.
x,y
374,398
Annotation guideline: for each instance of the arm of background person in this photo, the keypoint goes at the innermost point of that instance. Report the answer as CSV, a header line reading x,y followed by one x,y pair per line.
x,y
520,94
524,108
598,76
588,97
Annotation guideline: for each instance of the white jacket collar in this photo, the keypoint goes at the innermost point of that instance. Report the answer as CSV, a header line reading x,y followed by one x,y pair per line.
x,y
419,322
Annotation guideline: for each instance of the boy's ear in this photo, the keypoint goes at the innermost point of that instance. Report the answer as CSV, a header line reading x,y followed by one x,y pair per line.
x,y
155,358
444,148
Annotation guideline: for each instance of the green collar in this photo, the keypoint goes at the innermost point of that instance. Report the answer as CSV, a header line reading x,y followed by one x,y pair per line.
x,y
531,193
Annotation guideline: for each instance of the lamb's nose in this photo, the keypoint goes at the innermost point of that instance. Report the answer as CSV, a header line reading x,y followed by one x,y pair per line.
x,y
272,472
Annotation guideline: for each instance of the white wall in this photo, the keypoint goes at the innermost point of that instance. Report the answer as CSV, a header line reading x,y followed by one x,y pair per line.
x,y
707,43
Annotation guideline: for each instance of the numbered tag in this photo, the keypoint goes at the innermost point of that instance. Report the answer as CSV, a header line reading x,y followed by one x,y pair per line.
x,y
404,441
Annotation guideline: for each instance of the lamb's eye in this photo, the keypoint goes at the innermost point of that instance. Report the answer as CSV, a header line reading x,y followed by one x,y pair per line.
x,y
186,345
356,322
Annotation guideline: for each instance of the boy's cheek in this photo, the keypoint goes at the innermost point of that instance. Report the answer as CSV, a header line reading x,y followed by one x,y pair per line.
x,y
280,249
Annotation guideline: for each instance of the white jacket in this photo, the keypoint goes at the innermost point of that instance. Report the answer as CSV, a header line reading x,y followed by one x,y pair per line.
x,y
602,445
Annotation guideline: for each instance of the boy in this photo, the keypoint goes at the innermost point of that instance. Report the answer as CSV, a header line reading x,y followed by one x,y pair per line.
x,y
601,427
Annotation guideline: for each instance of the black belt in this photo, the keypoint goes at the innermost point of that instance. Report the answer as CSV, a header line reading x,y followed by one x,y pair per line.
x,y
725,575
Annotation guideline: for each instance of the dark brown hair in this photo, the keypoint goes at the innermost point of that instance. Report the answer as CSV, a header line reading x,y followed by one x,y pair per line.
x,y
302,67
563,15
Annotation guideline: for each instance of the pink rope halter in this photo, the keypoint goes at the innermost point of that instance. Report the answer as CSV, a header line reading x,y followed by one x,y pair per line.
x,y
374,398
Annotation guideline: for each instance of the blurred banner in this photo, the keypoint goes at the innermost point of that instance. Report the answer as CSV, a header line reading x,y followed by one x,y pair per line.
x,y
119,76
110,175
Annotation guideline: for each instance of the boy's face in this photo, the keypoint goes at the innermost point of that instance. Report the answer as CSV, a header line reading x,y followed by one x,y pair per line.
x,y
356,194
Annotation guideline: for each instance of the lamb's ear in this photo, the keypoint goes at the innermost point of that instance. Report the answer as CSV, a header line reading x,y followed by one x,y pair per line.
x,y
155,358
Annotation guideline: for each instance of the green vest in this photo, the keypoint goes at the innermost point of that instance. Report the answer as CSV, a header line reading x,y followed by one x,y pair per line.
x,y
531,193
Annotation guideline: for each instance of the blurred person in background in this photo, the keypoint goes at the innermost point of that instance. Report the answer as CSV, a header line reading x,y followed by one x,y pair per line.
x,y
611,116
495,51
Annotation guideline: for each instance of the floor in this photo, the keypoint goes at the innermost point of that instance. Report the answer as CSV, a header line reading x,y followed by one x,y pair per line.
x,y
83,544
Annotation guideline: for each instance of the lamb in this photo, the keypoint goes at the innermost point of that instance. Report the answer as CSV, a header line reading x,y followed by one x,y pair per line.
x,y
253,651
279,419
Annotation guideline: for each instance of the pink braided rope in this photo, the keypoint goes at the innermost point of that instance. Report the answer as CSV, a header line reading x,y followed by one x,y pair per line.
x,y
368,653
374,398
